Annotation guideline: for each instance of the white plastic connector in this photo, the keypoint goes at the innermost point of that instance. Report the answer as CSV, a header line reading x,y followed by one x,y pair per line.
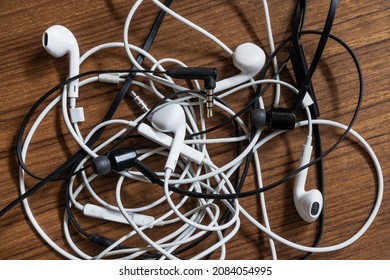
x,y
249,59
110,78
99,212
165,140
76,114
307,101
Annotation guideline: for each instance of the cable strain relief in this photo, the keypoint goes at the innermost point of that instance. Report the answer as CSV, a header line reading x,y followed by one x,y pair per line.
x,y
76,114
104,241
307,101
281,119
110,78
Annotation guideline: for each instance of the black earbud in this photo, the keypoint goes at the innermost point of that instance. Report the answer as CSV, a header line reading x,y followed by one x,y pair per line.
x,y
119,160
276,118
116,160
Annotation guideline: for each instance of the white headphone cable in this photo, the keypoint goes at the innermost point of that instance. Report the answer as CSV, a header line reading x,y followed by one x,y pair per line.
x,y
369,220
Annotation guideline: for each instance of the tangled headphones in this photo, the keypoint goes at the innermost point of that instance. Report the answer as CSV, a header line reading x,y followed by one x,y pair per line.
x,y
177,125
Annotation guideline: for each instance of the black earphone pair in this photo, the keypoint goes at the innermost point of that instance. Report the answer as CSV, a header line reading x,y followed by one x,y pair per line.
x,y
284,118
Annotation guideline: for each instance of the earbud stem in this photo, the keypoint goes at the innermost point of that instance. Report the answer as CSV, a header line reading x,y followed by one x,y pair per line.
x,y
73,87
176,147
233,81
165,140
308,203
300,178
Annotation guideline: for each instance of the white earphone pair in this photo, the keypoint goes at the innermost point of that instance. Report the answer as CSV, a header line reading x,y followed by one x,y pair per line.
x,y
59,41
247,57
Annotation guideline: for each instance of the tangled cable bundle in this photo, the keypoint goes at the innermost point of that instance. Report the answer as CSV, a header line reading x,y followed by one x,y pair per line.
x,y
197,197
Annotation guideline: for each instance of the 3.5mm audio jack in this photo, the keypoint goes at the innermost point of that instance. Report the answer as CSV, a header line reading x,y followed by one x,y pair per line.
x,y
138,100
209,102
207,74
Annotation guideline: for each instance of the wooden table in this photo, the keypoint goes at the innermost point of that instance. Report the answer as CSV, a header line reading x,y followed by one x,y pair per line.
x,y
27,72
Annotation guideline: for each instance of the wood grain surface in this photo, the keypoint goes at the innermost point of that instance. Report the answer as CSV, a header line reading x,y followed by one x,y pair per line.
x,y
27,72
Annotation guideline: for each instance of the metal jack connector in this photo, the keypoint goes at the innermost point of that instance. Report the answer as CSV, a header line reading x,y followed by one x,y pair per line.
x,y
208,75
209,102
138,100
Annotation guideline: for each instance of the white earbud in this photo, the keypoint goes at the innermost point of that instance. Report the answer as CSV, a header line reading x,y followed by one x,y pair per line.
x,y
165,140
307,203
171,118
59,41
249,59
